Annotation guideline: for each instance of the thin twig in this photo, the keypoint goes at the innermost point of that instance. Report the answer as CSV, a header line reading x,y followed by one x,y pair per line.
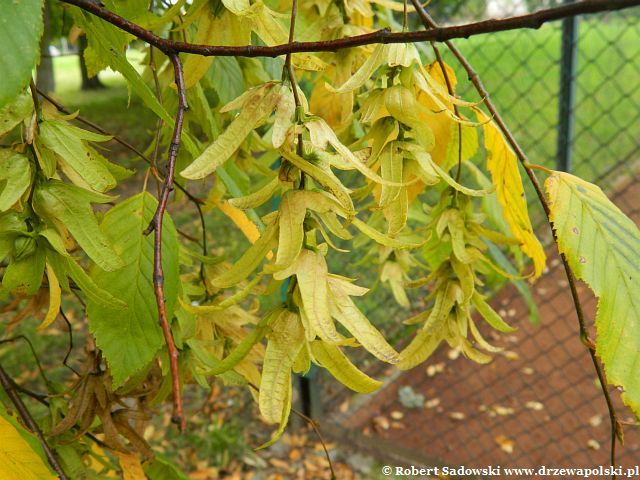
x,y
25,415
456,110
33,352
616,427
156,83
69,350
314,425
36,101
156,227
439,34
288,67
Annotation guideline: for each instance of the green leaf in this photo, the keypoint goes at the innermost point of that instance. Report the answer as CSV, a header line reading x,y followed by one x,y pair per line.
x,y
249,260
13,113
602,245
162,469
59,202
15,177
130,340
68,143
257,198
20,30
226,78
490,315
93,292
25,274
243,348
381,238
106,42
419,349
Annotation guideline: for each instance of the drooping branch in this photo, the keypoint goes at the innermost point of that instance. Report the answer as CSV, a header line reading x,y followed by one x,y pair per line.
x,y
9,387
156,227
439,34
616,427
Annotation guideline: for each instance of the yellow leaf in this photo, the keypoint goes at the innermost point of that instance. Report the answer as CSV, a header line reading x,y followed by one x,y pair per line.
x,y
321,134
306,61
54,299
347,313
336,362
391,162
17,460
237,7
131,466
292,213
195,66
402,105
402,54
256,108
285,341
336,109
326,178
441,124
393,274
311,273
226,29
364,73
503,165
284,115
395,6
237,216
418,350
435,70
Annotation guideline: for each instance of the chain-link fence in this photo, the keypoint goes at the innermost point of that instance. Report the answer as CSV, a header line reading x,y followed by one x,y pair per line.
x,y
570,92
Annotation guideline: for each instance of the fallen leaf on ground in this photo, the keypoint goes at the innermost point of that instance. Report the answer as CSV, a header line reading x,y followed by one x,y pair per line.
x,y
432,403
505,443
595,421
397,415
434,369
502,411
536,406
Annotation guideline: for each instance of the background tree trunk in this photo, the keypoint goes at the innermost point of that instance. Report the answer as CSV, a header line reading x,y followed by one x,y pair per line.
x,y
88,83
45,79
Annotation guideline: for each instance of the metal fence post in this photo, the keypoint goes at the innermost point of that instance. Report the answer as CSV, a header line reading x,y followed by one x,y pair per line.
x,y
567,92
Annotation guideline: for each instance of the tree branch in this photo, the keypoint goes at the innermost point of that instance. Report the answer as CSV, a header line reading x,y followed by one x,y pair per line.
x,y
156,227
616,427
25,415
439,34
